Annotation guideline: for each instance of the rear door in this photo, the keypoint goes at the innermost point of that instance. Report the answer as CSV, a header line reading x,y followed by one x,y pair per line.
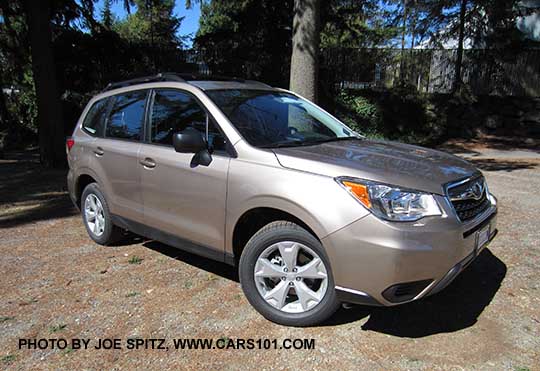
x,y
116,154
180,198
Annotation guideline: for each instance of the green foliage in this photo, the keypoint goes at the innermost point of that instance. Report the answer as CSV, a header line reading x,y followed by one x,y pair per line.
x,y
152,23
25,106
107,17
353,24
359,113
135,260
249,38
404,114
400,113
56,328
9,358
18,108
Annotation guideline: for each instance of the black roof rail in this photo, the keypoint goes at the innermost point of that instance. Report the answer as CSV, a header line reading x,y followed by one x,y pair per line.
x,y
197,77
176,77
141,80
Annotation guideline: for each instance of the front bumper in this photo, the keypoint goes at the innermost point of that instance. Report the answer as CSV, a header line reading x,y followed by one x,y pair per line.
x,y
376,262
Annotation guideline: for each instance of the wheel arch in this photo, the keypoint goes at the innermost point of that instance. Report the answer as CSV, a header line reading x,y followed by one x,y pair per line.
x,y
253,219
82,180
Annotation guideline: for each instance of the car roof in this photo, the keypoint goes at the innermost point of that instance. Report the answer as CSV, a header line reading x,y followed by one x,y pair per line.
x,y
203,82
223,85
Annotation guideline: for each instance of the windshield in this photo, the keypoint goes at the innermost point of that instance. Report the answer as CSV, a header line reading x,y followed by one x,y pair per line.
x,y
269,119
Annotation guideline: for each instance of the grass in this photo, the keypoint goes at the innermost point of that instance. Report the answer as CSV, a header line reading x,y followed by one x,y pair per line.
x,y
522,369
188,284
29,301
56,328
132,294
8,358
135,260
6,318
68,350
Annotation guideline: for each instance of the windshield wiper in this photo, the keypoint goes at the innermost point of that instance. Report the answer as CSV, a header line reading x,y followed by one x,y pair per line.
x,y
301,143
285,143
335,139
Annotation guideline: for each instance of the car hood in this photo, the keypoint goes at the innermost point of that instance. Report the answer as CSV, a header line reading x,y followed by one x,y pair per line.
x,y
393,163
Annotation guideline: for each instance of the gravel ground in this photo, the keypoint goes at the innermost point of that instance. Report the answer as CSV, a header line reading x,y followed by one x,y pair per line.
x,y
57,283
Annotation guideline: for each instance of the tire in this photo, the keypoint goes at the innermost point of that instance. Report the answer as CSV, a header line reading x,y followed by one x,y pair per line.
x,y
103,232
258,278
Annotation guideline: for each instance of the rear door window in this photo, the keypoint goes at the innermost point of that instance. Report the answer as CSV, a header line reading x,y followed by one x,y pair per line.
x,y
126,120
94,121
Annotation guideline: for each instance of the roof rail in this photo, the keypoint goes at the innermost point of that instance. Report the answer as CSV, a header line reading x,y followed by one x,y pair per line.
x,y
166,76
177,77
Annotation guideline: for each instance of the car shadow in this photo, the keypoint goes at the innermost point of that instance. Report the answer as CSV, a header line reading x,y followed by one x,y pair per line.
x,y
455,308
30,193
221,269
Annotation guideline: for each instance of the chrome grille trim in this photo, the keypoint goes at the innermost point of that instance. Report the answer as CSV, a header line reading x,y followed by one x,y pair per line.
x,y
468,197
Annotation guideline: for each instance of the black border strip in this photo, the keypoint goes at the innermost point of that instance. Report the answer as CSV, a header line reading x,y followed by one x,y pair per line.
x,y
175,241
479,226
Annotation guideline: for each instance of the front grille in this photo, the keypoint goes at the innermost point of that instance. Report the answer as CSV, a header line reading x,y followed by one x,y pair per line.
x,y
466,204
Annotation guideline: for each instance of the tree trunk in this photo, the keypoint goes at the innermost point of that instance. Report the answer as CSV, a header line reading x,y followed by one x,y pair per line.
x,y
459,58
5,117
49,117
305,49
402,53
5,123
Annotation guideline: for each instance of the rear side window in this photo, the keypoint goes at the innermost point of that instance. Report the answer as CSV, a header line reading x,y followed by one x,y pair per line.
x,y
94,120
127,116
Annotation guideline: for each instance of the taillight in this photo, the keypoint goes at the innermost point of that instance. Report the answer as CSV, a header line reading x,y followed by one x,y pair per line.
x,y
69,143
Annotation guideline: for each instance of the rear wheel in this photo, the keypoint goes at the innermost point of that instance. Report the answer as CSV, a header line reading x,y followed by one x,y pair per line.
x,y
286,275
97,217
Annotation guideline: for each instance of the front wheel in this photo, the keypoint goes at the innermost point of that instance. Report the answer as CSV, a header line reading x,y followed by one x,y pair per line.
x,y
286,275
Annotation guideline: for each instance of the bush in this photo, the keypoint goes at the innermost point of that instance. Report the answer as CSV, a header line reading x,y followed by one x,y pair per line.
x,y
399,113
359,113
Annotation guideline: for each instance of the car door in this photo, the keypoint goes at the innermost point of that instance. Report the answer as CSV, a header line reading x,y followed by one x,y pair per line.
x,y
183,199
116,154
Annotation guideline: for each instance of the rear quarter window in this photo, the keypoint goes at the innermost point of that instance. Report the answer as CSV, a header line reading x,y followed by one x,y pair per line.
x,y
126,118
94,121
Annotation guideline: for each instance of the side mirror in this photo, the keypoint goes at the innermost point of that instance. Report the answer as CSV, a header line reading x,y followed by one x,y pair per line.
x,y
189,140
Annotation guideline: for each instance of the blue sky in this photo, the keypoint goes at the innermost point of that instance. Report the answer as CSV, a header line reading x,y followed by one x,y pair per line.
x,y
190,24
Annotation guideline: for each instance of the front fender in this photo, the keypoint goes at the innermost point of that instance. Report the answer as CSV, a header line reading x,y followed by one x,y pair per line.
x,y
316,200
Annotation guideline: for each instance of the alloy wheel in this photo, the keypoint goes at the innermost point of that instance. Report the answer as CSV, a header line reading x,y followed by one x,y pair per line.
x,y
94,214
291,277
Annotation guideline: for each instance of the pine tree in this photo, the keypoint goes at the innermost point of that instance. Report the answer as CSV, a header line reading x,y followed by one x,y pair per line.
x,y
107,17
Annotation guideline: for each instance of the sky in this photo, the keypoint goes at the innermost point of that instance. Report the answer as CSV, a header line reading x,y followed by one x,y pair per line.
x,y
190,24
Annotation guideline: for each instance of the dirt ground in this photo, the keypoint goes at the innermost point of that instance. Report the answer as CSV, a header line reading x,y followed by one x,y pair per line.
x,y
56,283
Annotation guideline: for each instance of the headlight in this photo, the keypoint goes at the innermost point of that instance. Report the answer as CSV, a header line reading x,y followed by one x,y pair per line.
x,y
389,202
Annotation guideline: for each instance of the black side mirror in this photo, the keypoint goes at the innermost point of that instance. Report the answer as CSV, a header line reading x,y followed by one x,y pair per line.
x,y
189,140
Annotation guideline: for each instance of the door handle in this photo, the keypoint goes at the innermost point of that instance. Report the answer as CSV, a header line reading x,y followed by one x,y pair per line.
x,y
99,151
148,162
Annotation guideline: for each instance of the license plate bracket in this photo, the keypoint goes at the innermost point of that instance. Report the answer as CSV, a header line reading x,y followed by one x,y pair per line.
x,y
482,237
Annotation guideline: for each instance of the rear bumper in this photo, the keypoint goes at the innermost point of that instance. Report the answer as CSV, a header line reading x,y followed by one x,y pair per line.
x,y
71,186
381,263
